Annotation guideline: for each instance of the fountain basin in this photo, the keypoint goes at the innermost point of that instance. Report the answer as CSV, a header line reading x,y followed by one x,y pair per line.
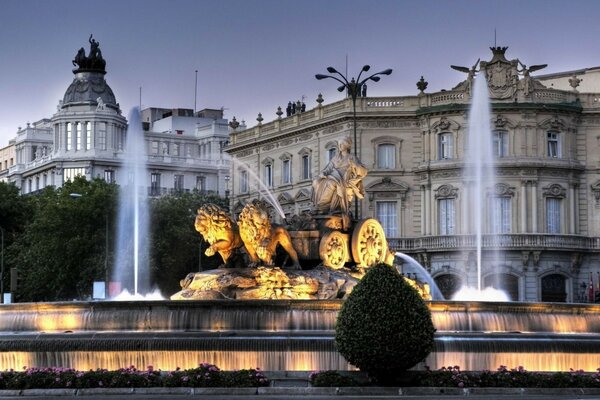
x,y
285,335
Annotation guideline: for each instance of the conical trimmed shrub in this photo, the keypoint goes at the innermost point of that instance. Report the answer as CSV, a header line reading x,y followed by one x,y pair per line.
x,y
384,327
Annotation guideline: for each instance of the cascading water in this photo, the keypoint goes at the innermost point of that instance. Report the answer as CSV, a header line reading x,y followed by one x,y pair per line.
x,y
131,258
410,265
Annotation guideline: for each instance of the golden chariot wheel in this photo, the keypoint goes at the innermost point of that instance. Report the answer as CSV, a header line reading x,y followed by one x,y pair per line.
x,y
333,249
369,246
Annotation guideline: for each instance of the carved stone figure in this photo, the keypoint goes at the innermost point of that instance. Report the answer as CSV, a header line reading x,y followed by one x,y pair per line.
x,y
261,238
339,182
101,105
219,230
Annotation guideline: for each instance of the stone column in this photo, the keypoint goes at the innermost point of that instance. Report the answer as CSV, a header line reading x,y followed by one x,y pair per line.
x,y
428,210
534,213
523,206
423,214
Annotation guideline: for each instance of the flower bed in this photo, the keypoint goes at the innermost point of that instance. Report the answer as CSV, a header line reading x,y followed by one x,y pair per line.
x,y
206,375
454,377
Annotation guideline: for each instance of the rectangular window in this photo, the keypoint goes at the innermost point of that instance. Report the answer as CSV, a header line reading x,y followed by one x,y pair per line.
x,y
500,143
56,136
305,166
71,173
155,184
109,176
553,206
88,136
78,137
553,144
178,183
386,156
69,136
500,215
286,172
154,148
101,136
446,216
200,183
388,216
244,182
445,146
176,149
268,175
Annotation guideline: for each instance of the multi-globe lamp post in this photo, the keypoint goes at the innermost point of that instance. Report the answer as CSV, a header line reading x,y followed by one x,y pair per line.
x,y
353,88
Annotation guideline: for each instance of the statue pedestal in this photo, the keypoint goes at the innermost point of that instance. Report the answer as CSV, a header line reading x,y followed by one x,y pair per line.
x,y
264,283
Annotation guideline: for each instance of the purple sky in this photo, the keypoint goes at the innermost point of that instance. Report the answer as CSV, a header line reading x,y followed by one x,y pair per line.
x,y
254,55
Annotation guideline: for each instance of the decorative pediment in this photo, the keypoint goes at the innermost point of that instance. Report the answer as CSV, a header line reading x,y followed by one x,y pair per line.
x,y
554,190
285,198
386,188
267,161
503,190
332,144
304,151
285,156
554,123
445,125
501,122
386,139
446,191
302,195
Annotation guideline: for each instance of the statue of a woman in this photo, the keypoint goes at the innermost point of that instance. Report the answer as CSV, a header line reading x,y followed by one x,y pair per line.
x,y
339,182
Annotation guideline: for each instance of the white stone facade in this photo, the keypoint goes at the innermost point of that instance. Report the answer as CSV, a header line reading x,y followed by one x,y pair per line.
x,y
548,178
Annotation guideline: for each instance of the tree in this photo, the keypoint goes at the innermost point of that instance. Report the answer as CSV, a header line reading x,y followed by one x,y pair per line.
x,y
384,327
177,249
62,250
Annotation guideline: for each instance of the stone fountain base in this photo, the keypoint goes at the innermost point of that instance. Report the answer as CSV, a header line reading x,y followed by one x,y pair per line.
x,y
264,283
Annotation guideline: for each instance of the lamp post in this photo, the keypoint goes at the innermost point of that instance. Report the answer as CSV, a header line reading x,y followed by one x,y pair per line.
x,y
353,88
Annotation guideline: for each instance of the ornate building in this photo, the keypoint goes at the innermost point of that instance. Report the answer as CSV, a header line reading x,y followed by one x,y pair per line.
x,y
543,241
87,133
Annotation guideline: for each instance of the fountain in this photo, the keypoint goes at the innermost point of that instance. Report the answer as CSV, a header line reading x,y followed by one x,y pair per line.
x,y
132,257
277,329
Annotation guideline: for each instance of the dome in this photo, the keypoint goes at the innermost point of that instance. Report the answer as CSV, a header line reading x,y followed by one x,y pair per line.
x,y
87,88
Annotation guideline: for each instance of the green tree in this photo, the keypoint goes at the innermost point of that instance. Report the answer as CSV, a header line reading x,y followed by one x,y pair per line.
x,y
62,250
176,246
15,212
384,327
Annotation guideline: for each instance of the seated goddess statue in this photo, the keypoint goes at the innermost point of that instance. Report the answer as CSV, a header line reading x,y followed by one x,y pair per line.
x,y
339,182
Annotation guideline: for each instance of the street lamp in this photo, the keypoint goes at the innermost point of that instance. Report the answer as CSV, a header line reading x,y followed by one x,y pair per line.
x,y
353,88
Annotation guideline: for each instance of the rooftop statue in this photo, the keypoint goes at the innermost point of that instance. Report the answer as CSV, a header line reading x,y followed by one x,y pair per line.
x,y
94,61
338,183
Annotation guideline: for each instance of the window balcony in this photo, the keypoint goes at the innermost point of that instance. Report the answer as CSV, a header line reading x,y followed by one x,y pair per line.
x,y
529,241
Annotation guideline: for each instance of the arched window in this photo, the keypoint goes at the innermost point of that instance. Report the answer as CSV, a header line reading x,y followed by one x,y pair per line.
x,y
448,284
554,288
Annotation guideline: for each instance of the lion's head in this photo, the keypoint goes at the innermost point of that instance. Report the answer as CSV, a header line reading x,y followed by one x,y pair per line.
x,y
212,221
254,222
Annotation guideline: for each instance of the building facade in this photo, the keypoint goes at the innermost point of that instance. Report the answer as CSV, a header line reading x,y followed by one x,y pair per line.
x,y
542,225
86,137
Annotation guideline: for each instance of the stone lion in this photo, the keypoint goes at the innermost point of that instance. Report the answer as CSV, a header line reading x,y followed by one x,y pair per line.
x,y
261,238
219,230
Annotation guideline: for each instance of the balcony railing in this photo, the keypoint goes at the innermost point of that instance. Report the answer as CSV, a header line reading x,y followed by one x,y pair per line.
x,y
492,242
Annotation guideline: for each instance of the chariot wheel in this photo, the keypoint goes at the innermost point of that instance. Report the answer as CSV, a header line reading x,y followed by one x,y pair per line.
x,y
333,249
369,245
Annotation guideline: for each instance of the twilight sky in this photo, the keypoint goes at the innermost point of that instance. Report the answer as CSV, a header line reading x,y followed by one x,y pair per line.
x,y
255,55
